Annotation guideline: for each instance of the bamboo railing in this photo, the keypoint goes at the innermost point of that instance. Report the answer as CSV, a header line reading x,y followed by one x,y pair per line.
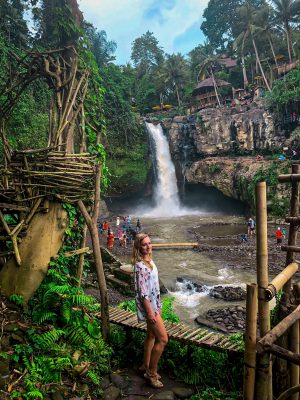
x,y
258,365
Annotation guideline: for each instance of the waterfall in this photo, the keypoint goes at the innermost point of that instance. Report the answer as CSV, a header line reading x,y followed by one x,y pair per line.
x,y
166,197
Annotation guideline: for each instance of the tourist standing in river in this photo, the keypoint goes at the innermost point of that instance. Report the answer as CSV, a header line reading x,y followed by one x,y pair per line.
x,y
147,298
110,239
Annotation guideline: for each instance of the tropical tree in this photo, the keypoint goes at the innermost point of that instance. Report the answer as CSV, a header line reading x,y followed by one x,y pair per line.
x,y
221,21
266,27
287,11
248,17
207,68
175,68
12,23
102,48
197,57
146,54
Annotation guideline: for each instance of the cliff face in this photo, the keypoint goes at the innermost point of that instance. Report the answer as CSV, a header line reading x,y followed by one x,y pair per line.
x,y
219,132
236,177
203,146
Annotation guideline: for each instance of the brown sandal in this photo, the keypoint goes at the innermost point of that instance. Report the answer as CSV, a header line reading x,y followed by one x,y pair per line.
x,y
153,380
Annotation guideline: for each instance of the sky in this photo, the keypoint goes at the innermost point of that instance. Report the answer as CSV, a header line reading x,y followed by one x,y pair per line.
x,y
174,23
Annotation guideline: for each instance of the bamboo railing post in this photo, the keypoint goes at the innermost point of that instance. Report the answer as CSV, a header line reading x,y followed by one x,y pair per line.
x,y
294,347
294,212
282,371
264,366
250,342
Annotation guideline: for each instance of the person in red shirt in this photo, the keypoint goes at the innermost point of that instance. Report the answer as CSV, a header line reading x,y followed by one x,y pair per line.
x,y
105,226
110,240
279,235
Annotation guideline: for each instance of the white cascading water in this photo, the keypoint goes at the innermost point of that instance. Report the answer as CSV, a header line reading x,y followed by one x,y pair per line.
x,y
166,190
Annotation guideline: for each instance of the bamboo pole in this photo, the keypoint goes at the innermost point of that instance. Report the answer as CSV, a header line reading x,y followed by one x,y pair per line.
x,y
81,257
283,353
294,211
291,249
286,395
294,347
293,177
280,280
274,334
264,367
250,342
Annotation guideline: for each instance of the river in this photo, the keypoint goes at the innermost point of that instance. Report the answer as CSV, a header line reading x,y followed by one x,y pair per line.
x,y
168,217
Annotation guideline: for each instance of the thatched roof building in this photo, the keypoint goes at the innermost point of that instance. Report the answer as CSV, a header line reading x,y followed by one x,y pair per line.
x,y
204,94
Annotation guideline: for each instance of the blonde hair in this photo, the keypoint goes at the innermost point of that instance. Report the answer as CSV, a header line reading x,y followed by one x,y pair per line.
x,y
136,251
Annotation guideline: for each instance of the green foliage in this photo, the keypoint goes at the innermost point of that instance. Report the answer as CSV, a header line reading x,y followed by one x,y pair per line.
x,y
275,318
214,169
238,339
17,299
167,310
146,53
48,349
214,394
285,92
270,176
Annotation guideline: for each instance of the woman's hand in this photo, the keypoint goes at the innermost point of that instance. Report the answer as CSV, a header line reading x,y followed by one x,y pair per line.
x,y
151,318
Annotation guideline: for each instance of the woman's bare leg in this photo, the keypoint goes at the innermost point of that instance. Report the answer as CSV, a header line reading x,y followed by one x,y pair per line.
x,y
148,346
161,339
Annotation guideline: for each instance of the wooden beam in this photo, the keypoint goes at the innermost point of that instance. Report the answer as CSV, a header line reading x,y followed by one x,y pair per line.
x,y
13,207
280,280
283,353
295,249
278,330
289,178
293,220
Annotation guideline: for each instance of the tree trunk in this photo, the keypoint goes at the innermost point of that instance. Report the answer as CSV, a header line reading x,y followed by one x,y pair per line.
x,y
43,240
260,66
215,87
92,226
288,39
178,97
273,52
81,257
246,82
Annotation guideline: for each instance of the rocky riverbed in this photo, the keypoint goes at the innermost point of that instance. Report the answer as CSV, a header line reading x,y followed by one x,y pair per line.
x,y
221,242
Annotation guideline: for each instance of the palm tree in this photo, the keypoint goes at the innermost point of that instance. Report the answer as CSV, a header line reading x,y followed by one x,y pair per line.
x,y
286,11
207,67
265,27
175,69
248,16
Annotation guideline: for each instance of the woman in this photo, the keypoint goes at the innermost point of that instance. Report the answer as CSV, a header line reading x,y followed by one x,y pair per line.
x,y
110,239
147,298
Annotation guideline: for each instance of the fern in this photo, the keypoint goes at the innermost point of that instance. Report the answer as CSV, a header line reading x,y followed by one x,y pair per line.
x,y
66,311
47,339
40,316
82,300
34,394
77,335
93,377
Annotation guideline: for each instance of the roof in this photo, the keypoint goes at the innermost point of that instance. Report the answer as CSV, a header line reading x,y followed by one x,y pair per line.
x,y
228,62
206,83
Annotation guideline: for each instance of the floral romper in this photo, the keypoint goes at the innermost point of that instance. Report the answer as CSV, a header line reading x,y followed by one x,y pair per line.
x,y
146,285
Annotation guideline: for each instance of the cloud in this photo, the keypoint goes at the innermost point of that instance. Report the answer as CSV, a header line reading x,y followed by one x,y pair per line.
x,y
171,21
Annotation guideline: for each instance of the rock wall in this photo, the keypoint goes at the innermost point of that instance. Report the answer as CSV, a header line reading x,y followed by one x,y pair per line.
x,y
221,131
205,146
235,176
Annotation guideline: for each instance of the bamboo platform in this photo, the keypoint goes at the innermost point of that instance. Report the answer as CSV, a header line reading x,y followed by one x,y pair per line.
x,y
183,333
174,244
